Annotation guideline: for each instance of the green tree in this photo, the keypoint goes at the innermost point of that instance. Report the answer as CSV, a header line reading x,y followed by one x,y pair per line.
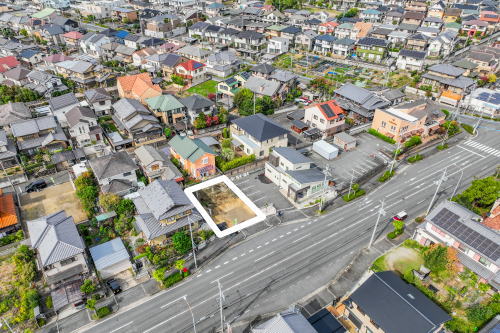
x,y
181,242
24,32
243,100
227,154
200,121
436,258
87,287
109,201
125,207
481,195
179,265
168,132
398,225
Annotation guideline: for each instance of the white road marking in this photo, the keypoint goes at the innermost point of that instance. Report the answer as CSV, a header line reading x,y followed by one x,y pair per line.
x,y
169,303
220,277
242,255
250,251
235,258
301,238
266,243
273,240
119,328
264,256
218,266
259,246
288,233
470,151
226,262
208,271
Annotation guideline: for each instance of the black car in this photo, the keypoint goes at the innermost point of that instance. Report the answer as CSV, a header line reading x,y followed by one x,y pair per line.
x,y
114,286
36,186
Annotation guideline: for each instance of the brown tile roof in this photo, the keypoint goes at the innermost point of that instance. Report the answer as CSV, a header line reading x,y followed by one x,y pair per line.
x,y
137,84
8,214
493,220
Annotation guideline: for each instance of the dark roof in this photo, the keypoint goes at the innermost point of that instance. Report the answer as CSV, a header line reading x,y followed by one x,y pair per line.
x,y
260,127
396,306
263,68
97,95
324,321
412,54
372,41
111,165
60,102
291,30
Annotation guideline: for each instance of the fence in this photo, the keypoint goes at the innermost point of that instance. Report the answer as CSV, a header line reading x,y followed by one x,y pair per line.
x,y
359,129
246,168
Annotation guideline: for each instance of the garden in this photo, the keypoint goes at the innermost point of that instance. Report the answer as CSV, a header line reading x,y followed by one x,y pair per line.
x,y
206,88
470,302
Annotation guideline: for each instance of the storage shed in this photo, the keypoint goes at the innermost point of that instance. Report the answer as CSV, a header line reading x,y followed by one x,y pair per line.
x,y
110,258
325,149
344,141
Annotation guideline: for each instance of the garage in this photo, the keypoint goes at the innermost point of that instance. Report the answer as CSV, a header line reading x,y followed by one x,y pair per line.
x,y
110,258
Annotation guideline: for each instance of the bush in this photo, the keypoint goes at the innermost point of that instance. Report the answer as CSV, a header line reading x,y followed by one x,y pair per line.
x,y
391,235
48,302
386,176
379,265
225,133
442,147
12,238
415,158
379,135
103,312
172,279
181,242
468,128
413,141
354,195
446,112
419,219
237,162
87,287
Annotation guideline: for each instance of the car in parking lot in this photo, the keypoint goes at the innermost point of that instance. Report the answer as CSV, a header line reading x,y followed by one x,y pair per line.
x,y
36,186
114,286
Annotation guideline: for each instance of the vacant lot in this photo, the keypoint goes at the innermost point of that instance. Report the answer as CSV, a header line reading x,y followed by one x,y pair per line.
x,y
205,88
52,200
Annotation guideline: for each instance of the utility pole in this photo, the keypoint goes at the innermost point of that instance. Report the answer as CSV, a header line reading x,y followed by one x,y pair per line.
x,y
381,212
323,197
458,183
476,126
396,153
438,183
253,103
192,242
190,310
350,184
221,299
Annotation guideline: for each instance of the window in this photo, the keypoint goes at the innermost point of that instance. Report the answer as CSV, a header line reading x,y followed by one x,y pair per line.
x,y
383,124
322,121
315,117
205,160
261,153
126,174
393,128
483,261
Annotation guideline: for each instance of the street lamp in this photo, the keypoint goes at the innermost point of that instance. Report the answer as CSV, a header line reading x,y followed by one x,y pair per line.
x,y
438,183
381,212
190,310
192,242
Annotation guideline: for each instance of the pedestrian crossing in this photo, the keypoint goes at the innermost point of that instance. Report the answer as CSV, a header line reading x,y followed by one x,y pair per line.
x,y
483,148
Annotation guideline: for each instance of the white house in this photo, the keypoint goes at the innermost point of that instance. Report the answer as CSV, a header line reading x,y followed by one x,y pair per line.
x,y
410,60
485,101
328,117
278,45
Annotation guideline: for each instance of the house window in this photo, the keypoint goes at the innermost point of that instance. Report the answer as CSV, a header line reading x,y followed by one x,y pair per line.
x,y
393,128
383,124
322,121
205,160
483,261
315,117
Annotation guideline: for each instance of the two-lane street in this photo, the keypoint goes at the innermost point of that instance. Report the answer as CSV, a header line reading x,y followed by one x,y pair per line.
x,y
273,269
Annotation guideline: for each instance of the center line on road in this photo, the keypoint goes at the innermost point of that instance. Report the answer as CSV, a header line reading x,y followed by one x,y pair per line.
x,y
250,251
295,229
301,238
265,256
218,266
241,255
226,262
220,277
119,328
281,236
288,233
208,271
259,246
235,258
267,243
273,240
169,303
302,226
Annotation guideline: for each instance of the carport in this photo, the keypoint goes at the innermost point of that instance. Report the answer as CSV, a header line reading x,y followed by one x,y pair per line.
x,y
110,258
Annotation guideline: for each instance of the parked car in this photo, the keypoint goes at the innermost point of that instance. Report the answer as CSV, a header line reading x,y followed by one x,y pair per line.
x,y
114,286
80,304
36,186
303,100
400,216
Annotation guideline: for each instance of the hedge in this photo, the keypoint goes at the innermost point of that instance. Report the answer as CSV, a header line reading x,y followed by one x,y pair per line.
x,y
413,141
442,147
468,128
353,196
103,312
386,176
379,135
394,234
237,162
415,158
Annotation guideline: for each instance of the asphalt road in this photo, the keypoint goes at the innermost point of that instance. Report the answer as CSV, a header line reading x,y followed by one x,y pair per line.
x,y
273,269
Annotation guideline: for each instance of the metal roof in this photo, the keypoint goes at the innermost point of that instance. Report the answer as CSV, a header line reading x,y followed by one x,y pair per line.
x,y
108,254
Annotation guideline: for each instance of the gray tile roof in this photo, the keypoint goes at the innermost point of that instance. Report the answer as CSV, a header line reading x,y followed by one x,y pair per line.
x,y
55,237
148,154
109,253
447,69
97,95
260,127
290,321
12,112
361,96
75,115
412,54
63,101
307,176
196,102
262,86
32,126
112,165
292,155
396,306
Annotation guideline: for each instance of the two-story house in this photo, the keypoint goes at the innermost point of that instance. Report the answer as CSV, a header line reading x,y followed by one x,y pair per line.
x,y
222,63
478,246
98,100
84,73
83,128
195,157
162,209
446,77
138,86
410,60
250,43
295,175
192,71
168,108
196,104
36,133
44,83
360,101
327,116
305,40
155,164
324,44
136,122
367,308
59,246
258,135
115,173
60,105
371,49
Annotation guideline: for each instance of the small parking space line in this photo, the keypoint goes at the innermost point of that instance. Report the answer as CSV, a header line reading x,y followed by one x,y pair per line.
x,y
218,266
249,194
250,251
261,198
234,259
226,262
259,246
208,271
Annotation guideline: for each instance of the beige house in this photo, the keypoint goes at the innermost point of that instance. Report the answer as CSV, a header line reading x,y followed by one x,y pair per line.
x,y
258,135
409,119
328,117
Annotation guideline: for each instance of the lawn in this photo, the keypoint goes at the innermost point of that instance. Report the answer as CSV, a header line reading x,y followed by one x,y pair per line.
x,y
205,88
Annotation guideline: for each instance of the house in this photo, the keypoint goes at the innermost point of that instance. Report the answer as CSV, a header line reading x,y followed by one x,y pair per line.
x,y
139,57
295,175
193,53
305,40
448,77
250,43
263,70
478,246
84,73
7,63
168,108
290,321
51,33
156,164
394,96
194,156
98,100
327,27
196,104
410,60
169,63
82,126
386,303
138,86
115,173
278,45
110,258
443,44
432,22
451,14
436,10
406,120
9,214
126,15
360,101
31,57
485,101
222,63
59,246
136,122
371,49
258,135
417,42
324,44
91,43
370,15
62,104
72,38
393,17
475,27
415,18
44,83
342,48
17,76
11,113
344,141
486,62
191,70
8,157
162,209
41,132
327,117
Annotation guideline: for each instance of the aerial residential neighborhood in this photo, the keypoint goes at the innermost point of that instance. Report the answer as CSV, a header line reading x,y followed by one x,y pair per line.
x,y
249,166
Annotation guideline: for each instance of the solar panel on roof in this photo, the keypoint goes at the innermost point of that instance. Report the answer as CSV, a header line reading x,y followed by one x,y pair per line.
x,y
450,222
328,110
